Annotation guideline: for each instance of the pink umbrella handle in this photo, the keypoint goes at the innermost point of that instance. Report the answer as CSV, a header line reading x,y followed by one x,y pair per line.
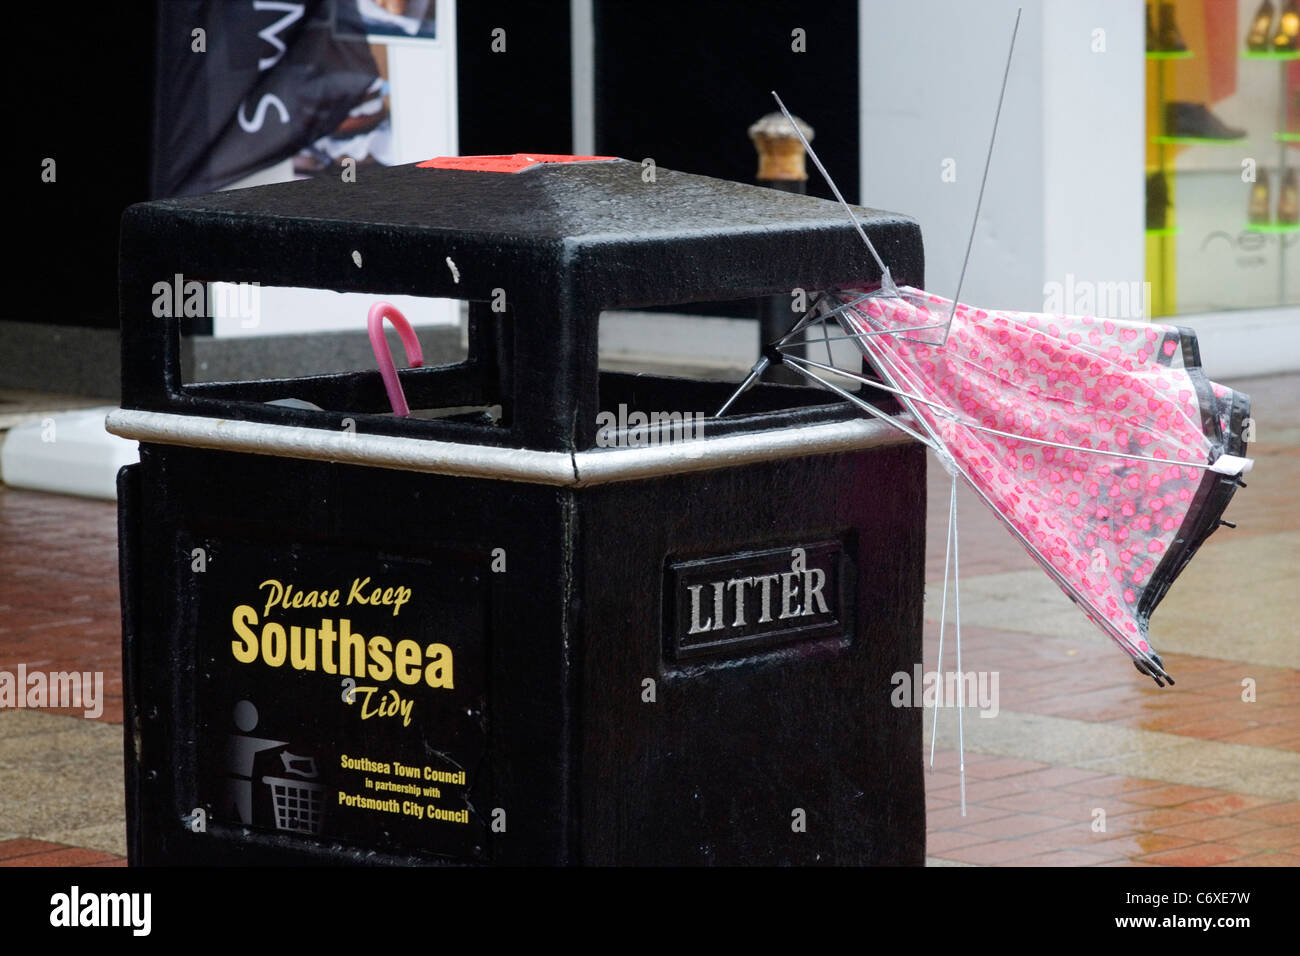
x,y
414,357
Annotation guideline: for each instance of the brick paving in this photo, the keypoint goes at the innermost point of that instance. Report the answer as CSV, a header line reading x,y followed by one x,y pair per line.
x,y
59,602
1025,812
1087,764
24,852
1020,813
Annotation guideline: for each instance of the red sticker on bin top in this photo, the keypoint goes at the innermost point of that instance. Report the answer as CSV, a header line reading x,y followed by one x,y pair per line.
x,y
514,163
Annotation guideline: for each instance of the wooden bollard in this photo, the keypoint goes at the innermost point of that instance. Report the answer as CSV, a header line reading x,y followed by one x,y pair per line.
x,y
781,165
780,154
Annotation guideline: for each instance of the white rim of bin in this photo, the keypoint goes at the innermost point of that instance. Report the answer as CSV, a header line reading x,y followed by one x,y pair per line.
x,y
578,470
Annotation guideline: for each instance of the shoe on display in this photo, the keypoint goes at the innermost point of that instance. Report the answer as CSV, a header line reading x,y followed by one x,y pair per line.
x,y
1157,201
1258,208
1171,41
1195,120
1257,38
1288,203
1288,28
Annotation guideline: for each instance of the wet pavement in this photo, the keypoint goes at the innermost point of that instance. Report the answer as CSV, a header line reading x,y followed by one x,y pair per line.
x,y
1077,761
1087,762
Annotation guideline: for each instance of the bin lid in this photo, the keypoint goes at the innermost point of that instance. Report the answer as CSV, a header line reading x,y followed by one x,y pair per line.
x,y
554,240
647,235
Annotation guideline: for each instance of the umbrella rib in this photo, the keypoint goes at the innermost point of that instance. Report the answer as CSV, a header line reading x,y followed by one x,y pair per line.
x,y
754,374
988,161
808,318
866,407
943,616
945,413
889,370
1079,448
857,336
843,305
862,378
886,280
763,362
805,320
961,682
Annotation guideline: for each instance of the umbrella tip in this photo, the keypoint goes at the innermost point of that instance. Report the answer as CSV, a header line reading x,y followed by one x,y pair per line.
x,y
754,374
1154,668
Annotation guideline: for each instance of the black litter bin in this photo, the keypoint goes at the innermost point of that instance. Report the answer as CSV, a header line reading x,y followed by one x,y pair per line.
x,y
486,637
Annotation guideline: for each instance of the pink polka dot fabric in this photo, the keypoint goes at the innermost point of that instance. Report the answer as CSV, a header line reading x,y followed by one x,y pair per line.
x,y
1112,531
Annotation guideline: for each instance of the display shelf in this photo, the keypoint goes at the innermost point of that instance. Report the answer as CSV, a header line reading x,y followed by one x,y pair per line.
x,y
1161,247
1284,138
1198,140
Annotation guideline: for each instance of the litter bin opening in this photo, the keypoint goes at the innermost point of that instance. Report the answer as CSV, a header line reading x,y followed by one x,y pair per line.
x,y
694,358
474,400
467,398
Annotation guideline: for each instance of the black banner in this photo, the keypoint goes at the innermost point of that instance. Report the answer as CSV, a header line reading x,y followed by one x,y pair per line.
x,y
244,84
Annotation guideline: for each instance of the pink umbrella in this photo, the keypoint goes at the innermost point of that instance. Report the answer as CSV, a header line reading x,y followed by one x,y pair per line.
x,y
1100,443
